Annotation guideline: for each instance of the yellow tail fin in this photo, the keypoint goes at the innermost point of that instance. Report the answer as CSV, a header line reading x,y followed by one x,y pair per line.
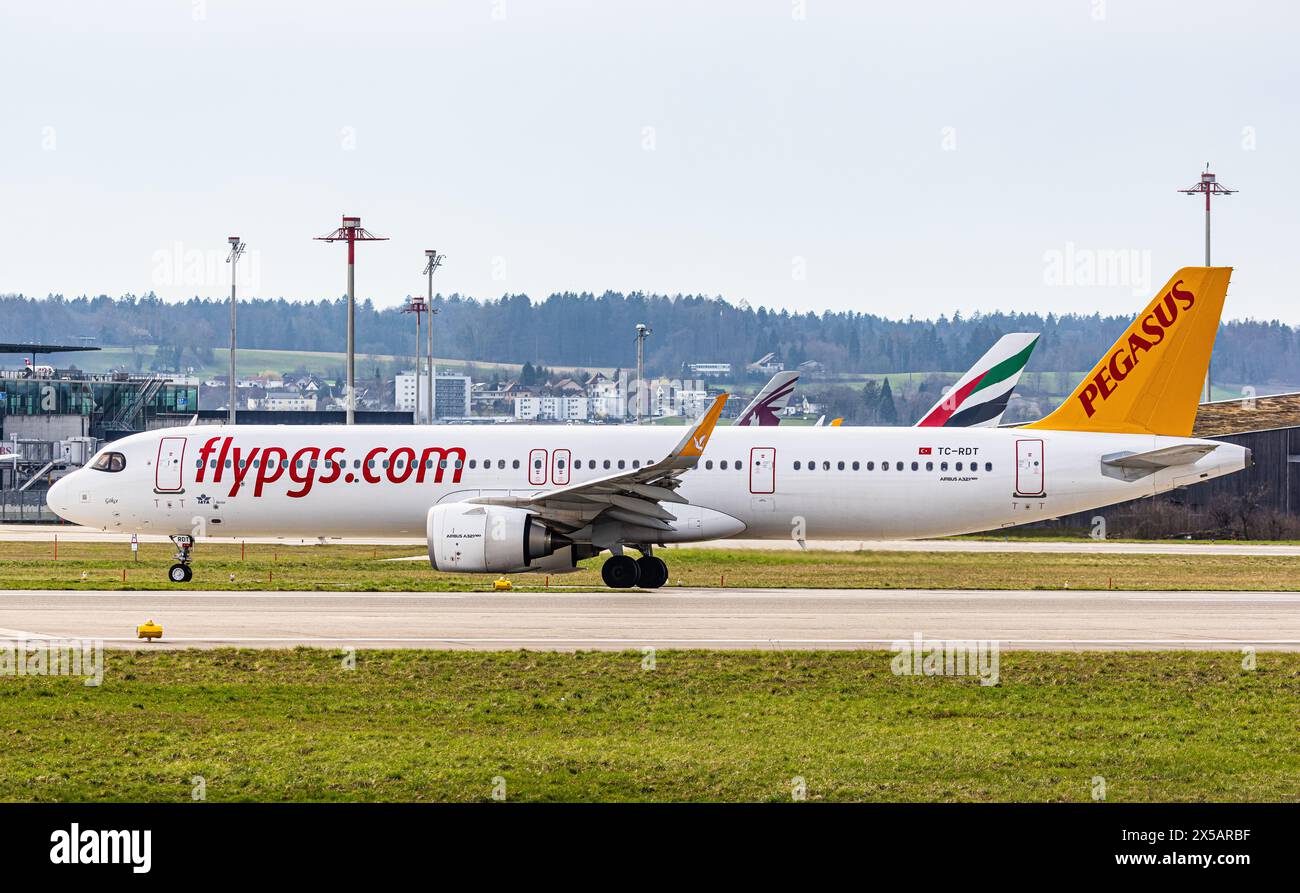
x,y
1150,380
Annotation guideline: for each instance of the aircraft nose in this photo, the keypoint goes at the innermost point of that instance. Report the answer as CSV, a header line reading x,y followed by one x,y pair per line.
x,y
59,498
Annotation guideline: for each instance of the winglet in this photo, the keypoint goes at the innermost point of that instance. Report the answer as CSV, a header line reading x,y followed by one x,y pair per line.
x,y
691,447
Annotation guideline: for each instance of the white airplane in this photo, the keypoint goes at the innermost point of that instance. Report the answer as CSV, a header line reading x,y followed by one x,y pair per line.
x,y
543,498
41,371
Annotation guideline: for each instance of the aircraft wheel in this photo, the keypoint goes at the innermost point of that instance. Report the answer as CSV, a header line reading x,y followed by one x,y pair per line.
x,y
654,573
620,572
180,573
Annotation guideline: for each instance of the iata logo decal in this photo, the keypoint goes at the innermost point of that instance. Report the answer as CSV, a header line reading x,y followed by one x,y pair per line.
x,y
1143,336
203,499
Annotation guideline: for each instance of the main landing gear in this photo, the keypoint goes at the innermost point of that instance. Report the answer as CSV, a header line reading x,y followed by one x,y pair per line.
x,y
624,571
180,571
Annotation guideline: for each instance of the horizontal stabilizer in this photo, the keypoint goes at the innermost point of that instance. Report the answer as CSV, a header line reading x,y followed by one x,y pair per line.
x,y
1132,466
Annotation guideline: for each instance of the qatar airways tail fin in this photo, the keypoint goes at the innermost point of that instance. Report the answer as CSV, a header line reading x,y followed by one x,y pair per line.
x,y
763,409
1150,380
979,397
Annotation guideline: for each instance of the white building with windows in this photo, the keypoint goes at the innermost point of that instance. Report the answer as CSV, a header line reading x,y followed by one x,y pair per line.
x,y
673,397
607,396
530,408
451,394
287,400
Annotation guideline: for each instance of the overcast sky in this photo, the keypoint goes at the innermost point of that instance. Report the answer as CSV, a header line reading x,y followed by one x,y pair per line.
x,y
900,158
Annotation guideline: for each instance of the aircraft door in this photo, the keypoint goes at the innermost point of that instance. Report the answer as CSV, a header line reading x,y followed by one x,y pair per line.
x,y
762,470
167,471
1029,468
560,467
537,467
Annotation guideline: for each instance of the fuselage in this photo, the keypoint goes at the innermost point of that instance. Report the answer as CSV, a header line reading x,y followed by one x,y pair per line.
x,y
753,482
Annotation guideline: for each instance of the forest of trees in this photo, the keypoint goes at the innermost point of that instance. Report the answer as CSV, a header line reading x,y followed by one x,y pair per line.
x,y
585,330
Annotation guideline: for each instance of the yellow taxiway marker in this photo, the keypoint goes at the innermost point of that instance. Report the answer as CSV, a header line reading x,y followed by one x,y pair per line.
x,y
148,630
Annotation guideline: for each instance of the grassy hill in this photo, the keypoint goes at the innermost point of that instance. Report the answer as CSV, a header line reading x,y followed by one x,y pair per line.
x,y
256,362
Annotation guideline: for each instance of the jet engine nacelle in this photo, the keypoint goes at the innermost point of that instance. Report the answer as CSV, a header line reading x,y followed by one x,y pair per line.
x,y
493,539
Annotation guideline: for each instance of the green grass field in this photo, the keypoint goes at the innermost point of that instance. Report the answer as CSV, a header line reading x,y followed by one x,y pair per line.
x,y
441,726
31,565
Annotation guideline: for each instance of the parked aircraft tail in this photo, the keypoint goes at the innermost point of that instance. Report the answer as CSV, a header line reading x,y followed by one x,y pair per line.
x,y
1150,380
979,397
763,409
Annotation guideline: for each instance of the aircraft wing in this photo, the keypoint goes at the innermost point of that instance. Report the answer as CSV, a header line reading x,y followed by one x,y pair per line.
x,y
633,497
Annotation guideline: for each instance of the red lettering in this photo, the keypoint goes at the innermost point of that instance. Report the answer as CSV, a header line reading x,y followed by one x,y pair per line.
x,y
444,455
1119,373
1104,384
1152,328
1183,295
407,466
221,460
1168,302
302,470
269,465
366,472
1088,395
335,467
241,468
1135,343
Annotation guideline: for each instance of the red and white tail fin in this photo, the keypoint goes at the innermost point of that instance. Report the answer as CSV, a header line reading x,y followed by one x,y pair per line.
x,y
979,397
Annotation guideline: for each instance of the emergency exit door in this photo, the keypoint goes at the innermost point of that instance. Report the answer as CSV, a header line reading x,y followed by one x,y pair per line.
x,y
537,467
762,470
167,471
1029,468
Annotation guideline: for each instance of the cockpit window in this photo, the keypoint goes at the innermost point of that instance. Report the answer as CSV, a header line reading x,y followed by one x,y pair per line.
x,y
110,462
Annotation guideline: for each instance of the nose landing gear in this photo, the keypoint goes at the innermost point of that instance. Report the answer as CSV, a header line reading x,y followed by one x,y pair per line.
x,y
180,571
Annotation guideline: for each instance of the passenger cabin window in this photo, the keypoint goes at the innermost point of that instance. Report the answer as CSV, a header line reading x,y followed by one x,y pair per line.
x,y
110,462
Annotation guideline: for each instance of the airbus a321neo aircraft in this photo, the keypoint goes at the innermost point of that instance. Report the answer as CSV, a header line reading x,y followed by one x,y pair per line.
x,y
543,498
